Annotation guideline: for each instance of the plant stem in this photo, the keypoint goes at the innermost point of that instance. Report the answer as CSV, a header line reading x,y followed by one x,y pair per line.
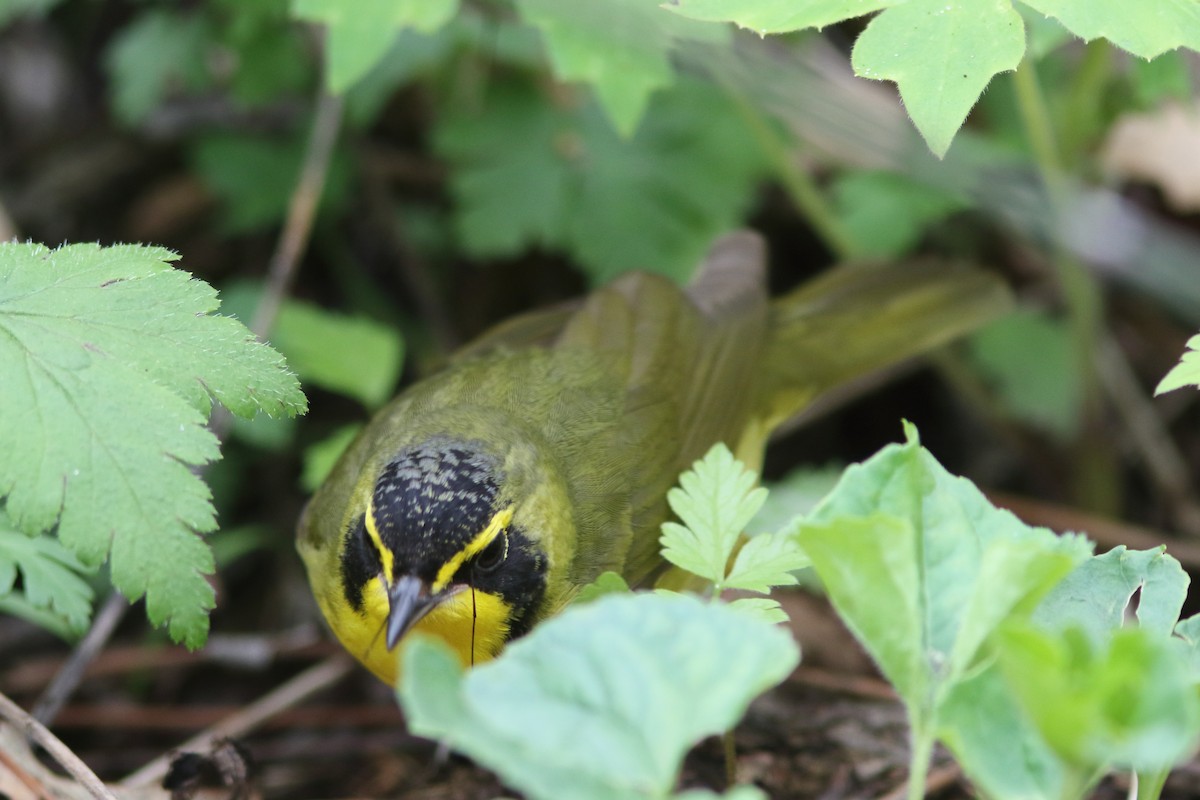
x,y
799,184
1150,784
1080,119
15,715
1081,292
918,764
730,759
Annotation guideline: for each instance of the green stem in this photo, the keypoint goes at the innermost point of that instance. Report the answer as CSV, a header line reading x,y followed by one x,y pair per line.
x,y
1150,784
918,764
730,759
799,184
1080,119
1080,290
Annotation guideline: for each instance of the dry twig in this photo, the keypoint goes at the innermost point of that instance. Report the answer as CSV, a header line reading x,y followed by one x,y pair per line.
x,y
289,694
18,718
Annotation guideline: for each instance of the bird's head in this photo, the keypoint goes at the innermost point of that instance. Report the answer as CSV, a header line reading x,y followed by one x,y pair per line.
x,y
434,544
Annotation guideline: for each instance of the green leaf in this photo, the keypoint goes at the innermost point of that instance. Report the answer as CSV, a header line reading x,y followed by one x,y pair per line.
x,y
410,55
1167,77
716,499
767,560
360,33
652,202
563,713
352,355
50,577
762,608
869,568
886,213
1095,596
621,47
777,16
923,568
1045,34
113,359
1187,639
160,51
1030,359
254,177
1128,702
606,583
995,742
1144,29
320,457
1186,372
941,54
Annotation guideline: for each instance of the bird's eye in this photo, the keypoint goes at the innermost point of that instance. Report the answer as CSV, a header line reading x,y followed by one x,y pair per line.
x,y
493,555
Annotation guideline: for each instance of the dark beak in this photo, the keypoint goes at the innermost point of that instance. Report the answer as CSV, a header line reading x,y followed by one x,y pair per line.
x,y
409,601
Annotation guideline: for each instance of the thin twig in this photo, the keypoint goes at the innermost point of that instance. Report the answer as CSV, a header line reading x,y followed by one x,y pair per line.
x,y
67,679
862,686
140,717
16,716
289,694
302,210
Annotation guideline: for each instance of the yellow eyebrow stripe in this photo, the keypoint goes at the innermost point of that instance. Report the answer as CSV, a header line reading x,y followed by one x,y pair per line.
x,y
385,555
498,523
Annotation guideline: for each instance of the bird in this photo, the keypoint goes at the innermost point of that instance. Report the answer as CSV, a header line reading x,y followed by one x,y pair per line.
x,y
483,497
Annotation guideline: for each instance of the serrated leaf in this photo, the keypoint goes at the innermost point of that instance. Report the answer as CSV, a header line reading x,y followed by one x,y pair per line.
x,y
360,33
941,54
923,568
767,560
112,361
1096,595
793,496
1145,29
349,354
1126,702
1186,372
651,202
621,47
51,580
777,16
563,713
716,499
1045,34
762,608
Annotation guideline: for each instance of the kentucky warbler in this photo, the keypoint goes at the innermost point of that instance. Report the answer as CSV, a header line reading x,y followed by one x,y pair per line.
x,y
478,501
